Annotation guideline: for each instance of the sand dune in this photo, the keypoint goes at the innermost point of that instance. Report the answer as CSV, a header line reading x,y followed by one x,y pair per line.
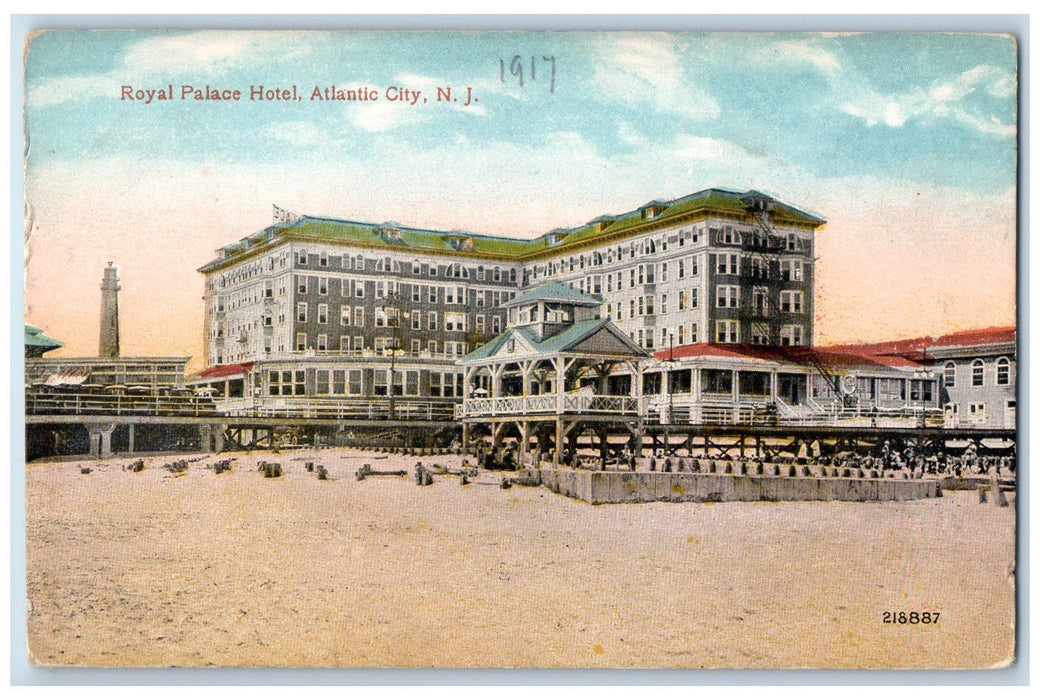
x,y
152,569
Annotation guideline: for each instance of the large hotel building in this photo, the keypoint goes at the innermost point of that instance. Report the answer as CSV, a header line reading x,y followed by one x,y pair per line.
x,y
313,306
318,316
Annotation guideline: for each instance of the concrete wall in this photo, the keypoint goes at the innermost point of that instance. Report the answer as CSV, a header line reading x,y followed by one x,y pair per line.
x,y
643,487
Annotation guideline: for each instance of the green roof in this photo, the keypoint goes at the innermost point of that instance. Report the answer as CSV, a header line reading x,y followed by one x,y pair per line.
x,y
561,342
554,291
393,236
34,337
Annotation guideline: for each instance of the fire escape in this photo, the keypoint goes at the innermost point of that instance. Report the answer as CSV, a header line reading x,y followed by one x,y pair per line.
x,y
762,278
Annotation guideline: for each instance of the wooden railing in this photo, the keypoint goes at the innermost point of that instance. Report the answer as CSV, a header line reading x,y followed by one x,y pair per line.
x,y
86,403
547,404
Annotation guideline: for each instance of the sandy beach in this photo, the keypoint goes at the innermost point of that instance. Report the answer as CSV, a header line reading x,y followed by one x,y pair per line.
x,y
232,569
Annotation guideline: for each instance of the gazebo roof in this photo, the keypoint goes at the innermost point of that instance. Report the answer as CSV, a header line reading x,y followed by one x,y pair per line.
x,y
34,337
554,292
594,336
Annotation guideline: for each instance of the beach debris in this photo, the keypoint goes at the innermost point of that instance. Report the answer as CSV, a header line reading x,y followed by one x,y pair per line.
x,y
323,473
135,466
309,466
423,476
178,467
222,466
507,483
85,470
272,470
366,470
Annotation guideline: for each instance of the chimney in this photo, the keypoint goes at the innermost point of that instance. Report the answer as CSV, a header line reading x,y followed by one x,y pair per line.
x,y
108,340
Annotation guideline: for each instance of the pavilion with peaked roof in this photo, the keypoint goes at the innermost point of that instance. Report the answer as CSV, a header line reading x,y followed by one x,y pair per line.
x,y
36,343
550,376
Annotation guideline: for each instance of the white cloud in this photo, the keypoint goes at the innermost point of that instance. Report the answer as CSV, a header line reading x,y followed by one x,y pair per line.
x,y
157,58
942,100
646,68
800,52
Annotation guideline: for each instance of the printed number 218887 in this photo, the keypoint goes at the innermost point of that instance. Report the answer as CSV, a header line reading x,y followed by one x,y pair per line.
x,y
891,617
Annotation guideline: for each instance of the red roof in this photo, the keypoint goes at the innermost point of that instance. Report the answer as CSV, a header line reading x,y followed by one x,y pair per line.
x,y
788,353
217,371
981,336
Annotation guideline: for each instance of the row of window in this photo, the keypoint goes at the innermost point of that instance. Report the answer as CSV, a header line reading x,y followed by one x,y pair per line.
x,y
452,348
978,373
388,317
418,268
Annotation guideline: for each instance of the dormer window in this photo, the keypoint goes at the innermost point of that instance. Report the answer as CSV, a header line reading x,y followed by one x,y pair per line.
x,y
390,234
556,238
460,242
652,211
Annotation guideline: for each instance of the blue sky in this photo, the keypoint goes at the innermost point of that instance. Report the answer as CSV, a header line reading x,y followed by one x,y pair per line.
x,y
906,143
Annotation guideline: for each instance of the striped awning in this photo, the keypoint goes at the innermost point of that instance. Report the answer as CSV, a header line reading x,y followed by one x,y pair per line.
x,y
67,378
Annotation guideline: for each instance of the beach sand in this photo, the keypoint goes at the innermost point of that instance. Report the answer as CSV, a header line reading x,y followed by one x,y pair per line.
x,y
201,569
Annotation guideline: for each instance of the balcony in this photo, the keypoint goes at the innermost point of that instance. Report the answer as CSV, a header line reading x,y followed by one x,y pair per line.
x,y
548,404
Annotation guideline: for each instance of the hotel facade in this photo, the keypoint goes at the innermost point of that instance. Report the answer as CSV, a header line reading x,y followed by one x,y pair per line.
x,y
331,317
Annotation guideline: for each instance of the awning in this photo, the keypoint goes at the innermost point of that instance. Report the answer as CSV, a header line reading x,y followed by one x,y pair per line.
x,y
218,371
68,378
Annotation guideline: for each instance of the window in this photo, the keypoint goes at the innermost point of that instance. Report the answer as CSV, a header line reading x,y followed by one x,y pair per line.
x,y
323,313
379,383
301,342
1003,371
727,296
301,257
454,321
344,316
359,344
791,335
791,301
359,262
791,270
323,342
323,259
301,284
416,346
301,313
344,343
323,286
727,331
950,375
416,320
728,264
359,289
359,317
977,412
431,320
978,373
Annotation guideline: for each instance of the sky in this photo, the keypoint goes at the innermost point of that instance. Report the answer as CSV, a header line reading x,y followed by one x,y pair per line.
x,y
905,142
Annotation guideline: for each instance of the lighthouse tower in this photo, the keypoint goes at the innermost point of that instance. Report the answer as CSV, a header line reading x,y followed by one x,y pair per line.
x,y
108,341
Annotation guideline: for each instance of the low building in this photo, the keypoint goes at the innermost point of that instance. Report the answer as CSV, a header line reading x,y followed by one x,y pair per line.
x,y
977,368
726,384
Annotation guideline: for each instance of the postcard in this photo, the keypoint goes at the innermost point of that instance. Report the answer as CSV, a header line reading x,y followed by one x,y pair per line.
x,y
478,349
